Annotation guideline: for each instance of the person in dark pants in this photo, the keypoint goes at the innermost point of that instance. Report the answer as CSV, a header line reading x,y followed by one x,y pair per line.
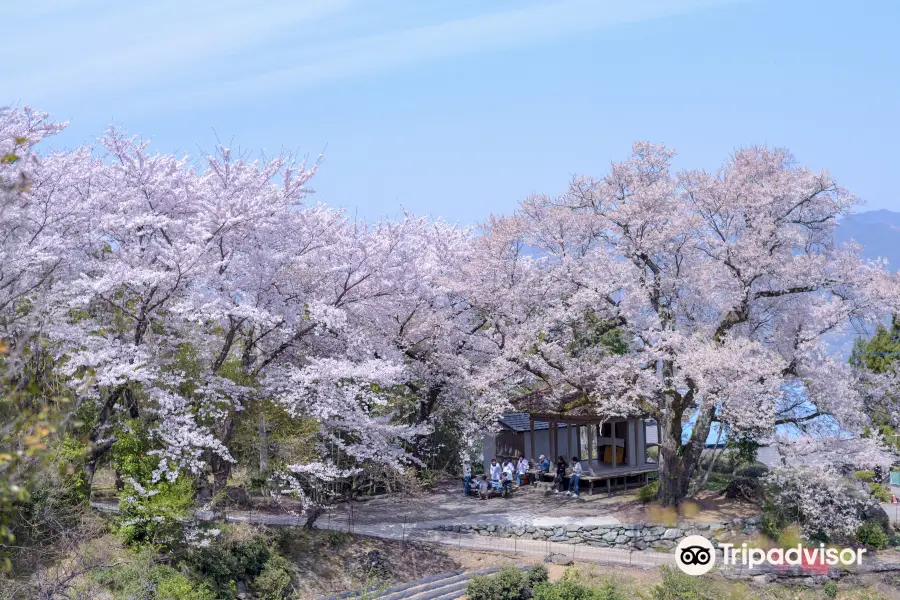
x,y
560,478
467,477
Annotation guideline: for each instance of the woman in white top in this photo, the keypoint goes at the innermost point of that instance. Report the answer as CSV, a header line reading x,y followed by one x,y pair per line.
x,y
495,470
523,468
573,480
509,469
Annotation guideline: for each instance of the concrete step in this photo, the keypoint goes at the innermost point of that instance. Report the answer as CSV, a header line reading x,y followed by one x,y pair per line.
x,y
423,588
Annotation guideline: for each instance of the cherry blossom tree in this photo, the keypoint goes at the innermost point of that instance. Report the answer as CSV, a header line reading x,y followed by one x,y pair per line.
x,y
723,284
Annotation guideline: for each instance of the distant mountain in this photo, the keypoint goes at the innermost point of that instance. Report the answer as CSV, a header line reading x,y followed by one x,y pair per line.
x,y
877,231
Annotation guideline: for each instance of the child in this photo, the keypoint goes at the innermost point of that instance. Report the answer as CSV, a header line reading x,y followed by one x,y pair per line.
x,y
467,477
576,475
561,467
482,487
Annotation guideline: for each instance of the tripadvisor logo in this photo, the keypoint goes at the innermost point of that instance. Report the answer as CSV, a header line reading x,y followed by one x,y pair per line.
x,y
695,555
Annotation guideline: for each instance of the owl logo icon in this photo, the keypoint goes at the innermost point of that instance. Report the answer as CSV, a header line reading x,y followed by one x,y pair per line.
x,y
695,555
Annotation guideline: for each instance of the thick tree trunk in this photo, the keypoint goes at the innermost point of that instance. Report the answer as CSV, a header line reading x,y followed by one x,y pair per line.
x,y
678,460
263,443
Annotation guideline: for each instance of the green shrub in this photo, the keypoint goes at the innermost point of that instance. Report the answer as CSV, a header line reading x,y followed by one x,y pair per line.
x,y
829,590
755,471
872,535
680,586
223,565
536,574
273,581
508,584
173,585
864,475
570,588
880,492
649,492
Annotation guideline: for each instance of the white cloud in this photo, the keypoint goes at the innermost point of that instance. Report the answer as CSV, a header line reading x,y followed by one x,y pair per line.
x,y
186,52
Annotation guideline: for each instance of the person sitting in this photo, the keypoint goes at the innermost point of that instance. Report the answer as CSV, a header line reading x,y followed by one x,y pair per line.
x,y
576,476
559,480
509,469
483,487
505,484
495,470
544,464
522,470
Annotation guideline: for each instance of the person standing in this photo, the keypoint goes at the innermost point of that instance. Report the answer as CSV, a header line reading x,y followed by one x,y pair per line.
x,y
523,468
509,469
576,476
467,477
495,470
560,478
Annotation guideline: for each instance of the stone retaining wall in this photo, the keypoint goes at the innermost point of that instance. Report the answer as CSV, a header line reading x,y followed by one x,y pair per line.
x,y
649,536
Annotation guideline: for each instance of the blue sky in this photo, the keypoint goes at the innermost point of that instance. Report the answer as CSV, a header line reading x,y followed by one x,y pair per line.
x,y
459,109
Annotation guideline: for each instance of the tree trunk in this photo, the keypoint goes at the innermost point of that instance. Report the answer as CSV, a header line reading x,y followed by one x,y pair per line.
x,y
263,444
312,514
677,460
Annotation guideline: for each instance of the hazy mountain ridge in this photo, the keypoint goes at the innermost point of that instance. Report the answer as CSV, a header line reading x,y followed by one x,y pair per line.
x,y
877,231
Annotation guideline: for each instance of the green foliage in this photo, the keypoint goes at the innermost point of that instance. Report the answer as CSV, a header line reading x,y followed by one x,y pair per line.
x,y
173,585
880,492
872,535
864,475
509,584
156,519
273,581
536,574
223,565
878,355
772,523
829,590
70,458
649,492
571,588
427,477
680,586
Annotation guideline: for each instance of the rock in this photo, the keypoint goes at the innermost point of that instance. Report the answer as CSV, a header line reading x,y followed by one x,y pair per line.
x,y
672,534
589,528
561,559
559,531
559,538
530,528
702,526
519,531
621,539
715,526
640,544
663,545
630,533
491,528
573,527
611,536
758,581
633,527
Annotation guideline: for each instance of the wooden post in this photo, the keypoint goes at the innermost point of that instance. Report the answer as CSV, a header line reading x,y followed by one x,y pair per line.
x,y
590,443
531,423
551,438
612,433
569,439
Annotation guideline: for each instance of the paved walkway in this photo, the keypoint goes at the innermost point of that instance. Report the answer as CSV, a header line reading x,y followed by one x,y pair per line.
x,y
423,531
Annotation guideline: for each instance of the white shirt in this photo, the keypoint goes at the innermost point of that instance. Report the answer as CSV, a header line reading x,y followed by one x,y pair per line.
x,y
467,470
523,466
508,469
576,469
495,471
